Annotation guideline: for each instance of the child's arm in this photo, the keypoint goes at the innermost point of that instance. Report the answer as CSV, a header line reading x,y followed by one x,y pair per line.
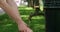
x,y
12,11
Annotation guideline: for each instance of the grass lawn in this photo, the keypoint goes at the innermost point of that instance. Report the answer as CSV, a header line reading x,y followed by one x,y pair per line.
x,y
37,24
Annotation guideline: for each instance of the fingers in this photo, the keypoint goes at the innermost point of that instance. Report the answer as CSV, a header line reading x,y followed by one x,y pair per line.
x,y
29,30
26,31
23,31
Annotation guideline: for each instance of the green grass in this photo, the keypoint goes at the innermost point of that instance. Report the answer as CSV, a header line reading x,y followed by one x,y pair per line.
x,y
8,25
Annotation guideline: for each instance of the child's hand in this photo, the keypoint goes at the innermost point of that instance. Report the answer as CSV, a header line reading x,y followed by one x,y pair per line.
x,y
23,28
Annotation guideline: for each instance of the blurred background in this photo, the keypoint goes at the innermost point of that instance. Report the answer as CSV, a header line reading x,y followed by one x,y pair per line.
x,y
31,12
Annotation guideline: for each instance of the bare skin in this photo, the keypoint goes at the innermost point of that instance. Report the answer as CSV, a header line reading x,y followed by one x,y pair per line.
x,y
11,9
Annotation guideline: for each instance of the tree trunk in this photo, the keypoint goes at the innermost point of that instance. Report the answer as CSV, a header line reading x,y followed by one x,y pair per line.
x,y
29,3
37,11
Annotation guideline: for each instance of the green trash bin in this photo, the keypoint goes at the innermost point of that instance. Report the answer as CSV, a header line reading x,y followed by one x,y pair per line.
x,y
52,15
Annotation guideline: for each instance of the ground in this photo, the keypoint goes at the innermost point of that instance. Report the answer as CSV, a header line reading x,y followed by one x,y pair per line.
x,y
37,24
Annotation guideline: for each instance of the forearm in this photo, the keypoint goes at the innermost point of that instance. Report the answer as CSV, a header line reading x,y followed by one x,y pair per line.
x,y
13,13
12,3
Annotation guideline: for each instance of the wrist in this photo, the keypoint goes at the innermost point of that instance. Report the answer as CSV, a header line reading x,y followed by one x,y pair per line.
x,y
20,22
